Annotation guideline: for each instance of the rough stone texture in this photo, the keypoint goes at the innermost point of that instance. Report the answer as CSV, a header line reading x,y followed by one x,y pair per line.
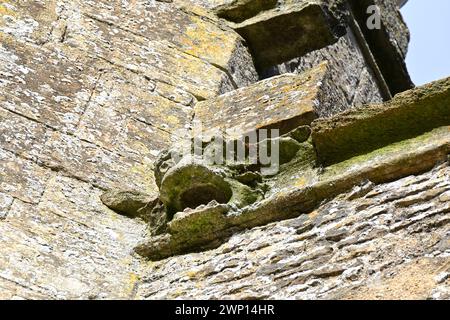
x,y
380,53
135,36
284,102
126,202
395,26
292,29
389,44
359,131
240,10
68,246
348,88
298,188
368,244
91,92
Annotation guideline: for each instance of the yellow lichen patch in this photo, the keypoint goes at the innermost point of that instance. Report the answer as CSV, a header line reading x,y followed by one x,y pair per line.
x,y
191,274
211,44
301,182
198,10
313,214
42,13
199,285
177,293
5,10
143,175
132,280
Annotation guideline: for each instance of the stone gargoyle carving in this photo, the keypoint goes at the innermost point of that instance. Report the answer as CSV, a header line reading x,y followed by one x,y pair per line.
x,y
203,195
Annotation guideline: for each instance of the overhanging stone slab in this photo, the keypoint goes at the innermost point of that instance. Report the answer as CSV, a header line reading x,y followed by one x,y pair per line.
x,y
289,31
240,10
284,102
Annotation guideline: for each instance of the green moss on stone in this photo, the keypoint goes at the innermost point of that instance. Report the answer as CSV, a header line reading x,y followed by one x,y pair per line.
x,y
360,131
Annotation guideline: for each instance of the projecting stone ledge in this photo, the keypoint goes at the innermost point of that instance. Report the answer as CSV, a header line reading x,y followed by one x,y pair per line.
x,y
301,185
284,102
361,130
286,31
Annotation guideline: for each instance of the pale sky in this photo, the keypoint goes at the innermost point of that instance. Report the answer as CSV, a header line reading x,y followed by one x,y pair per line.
x,y
429,52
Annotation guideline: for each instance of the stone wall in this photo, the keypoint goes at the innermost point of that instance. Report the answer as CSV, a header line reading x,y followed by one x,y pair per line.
x,y
90,94
353,88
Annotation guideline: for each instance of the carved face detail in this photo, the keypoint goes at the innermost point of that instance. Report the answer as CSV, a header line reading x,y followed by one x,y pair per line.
x,y
190,181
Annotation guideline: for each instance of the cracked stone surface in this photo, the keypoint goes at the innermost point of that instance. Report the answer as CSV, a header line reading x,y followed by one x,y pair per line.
x,y
91,93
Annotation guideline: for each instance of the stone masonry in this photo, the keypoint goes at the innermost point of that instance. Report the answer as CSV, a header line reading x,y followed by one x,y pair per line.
x,y
93,94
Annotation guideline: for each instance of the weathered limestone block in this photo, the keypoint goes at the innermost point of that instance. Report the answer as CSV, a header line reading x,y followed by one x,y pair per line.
x,y
5,203
22,136
126,202
52,21
12,291
285,102
70,245
389,44
399,159
196,35
395,26
359,131
21,178
100,107
141,141
292,29
135,204
126,115
91,163
157,60
41,85
28,20
358,87
240,10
